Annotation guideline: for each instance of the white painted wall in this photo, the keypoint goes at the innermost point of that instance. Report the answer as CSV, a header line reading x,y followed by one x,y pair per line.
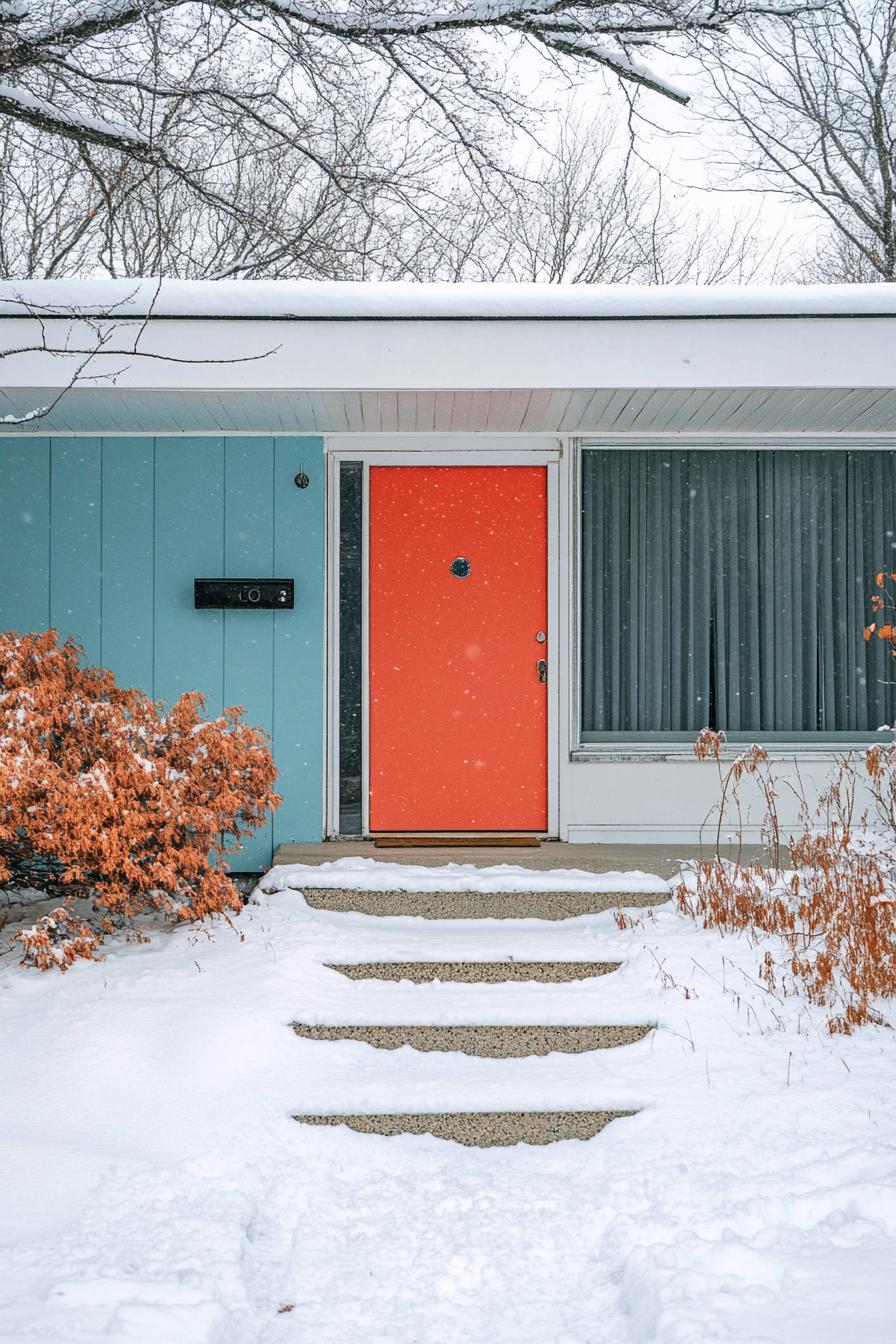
x,y
668,801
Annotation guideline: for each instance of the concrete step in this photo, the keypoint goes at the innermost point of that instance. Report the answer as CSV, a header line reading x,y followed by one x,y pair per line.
x,y
494,1042
664,860
475,972
480,1129
480,905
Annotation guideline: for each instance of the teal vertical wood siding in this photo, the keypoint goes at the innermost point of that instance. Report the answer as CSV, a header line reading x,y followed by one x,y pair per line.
x,y
76,505
25,534
103,537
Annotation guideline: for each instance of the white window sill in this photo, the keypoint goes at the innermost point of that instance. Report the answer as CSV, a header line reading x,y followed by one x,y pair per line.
x,y
605,752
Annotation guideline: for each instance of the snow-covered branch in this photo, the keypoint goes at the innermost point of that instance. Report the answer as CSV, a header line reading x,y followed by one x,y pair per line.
x,y
45,41
44,115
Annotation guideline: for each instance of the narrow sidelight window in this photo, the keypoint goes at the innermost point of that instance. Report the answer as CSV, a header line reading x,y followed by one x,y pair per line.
x,y
351,510
730,588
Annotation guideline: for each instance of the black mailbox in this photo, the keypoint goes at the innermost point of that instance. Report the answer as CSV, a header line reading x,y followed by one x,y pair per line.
x,y
244,594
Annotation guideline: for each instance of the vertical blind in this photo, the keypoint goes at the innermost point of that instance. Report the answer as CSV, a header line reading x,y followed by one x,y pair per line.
x,y
730,588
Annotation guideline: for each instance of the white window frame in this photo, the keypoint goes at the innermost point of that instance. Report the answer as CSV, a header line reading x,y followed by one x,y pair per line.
x,y
662,749
440,450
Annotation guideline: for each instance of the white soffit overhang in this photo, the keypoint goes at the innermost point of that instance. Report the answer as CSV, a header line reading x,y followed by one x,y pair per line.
x,y
632,412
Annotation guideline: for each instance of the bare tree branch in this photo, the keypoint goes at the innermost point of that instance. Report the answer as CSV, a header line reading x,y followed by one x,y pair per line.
x,y
110,337
813,113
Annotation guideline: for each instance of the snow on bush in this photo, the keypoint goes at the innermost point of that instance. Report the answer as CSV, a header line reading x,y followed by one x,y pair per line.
x,y
105,794
834,909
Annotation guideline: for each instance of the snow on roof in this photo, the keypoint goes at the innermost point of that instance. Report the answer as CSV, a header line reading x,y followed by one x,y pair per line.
x,y
345,300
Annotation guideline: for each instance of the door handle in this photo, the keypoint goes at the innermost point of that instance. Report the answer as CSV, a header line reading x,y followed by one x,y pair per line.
x,y
542,669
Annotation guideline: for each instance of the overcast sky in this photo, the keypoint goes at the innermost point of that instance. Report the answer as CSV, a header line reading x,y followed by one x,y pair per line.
x,y
688,150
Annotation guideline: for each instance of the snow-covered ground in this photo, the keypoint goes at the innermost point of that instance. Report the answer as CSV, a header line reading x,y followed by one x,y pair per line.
x,y
155,1189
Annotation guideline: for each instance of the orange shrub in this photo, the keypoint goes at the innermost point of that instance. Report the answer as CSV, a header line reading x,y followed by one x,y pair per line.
x,y
107,795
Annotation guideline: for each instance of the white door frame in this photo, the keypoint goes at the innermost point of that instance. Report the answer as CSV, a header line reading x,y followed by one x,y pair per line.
x,y
432,451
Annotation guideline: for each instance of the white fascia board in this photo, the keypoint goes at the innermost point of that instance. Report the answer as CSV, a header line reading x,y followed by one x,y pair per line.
x,y
475,354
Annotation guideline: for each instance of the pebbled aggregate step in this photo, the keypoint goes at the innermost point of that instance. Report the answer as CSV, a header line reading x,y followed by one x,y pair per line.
x,y
480,1129
475,972
494,1042
480,905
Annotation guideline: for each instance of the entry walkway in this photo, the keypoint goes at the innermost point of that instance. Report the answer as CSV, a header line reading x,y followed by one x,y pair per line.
x,y
496,1041
490,1005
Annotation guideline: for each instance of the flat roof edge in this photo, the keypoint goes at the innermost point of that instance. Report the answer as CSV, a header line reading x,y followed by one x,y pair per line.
x,y
137,299
139,316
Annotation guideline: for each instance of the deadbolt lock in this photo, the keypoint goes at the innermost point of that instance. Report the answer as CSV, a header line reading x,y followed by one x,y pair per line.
x,y
540,636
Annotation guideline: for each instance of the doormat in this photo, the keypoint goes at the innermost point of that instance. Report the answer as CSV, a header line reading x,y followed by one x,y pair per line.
x,y
456,841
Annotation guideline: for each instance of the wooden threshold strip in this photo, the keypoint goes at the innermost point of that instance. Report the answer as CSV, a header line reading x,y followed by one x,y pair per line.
x,y
456,842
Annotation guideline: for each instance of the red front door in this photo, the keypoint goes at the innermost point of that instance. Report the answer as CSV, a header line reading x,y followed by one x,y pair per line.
x,y
458,619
